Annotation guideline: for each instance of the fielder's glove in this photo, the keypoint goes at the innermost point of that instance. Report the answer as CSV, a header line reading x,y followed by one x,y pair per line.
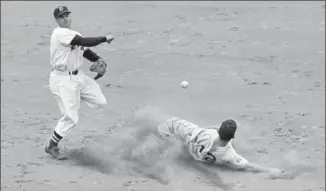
x,y
100,67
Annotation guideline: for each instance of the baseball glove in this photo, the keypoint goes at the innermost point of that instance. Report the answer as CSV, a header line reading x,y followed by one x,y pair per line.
x,y
100,67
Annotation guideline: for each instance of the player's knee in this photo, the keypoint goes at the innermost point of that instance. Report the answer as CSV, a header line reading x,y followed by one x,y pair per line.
x,y
99,103
103,102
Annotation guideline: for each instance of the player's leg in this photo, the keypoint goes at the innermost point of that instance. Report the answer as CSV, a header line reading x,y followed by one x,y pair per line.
x,y
179,128
91,93
66,91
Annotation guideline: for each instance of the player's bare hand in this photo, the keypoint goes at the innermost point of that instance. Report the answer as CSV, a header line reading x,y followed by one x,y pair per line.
x,y
109,39
275,172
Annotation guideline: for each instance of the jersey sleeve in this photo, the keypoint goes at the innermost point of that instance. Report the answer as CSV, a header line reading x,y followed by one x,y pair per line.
x,y
233,159
66,35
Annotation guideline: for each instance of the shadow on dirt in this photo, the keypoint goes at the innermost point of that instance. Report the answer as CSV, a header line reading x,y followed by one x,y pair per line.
x,y
90,158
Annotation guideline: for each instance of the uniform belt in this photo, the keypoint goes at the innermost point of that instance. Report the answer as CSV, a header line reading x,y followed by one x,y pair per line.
x,y
73,72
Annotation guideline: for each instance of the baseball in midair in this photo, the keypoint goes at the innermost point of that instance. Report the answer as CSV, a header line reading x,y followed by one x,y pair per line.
x,y
184,84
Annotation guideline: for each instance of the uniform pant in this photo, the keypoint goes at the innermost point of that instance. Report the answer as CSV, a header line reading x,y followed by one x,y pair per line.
x,y
181,129
69,91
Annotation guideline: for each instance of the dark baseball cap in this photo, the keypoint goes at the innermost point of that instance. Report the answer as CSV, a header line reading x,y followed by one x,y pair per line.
x,y
59,11
227,130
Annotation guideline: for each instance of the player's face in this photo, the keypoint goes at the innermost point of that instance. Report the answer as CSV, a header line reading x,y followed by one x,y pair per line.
x,y
64,20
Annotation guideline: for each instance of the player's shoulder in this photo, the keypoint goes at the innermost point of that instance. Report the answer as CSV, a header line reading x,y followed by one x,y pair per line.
x,y
207,134
210,130
63,31
59,30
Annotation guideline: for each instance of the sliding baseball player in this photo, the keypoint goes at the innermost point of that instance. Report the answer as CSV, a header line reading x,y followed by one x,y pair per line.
x,y
211,144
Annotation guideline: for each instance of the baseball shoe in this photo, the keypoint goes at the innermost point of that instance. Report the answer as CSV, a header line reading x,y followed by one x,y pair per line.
x,y
54,151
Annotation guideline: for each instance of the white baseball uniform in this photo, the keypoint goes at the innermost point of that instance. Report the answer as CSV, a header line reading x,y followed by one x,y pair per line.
x,y
200,142
69,89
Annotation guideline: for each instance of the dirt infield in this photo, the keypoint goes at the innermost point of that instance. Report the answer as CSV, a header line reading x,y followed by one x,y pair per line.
x,y
261,63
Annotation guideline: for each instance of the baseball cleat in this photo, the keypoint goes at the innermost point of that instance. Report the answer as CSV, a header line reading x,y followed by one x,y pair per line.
x,y
55,152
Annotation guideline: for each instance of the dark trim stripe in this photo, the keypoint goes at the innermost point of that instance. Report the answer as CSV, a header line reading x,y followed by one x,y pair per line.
x,y
57,135
54,139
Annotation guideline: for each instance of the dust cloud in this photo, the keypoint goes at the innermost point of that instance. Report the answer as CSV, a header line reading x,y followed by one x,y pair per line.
x,y
145,153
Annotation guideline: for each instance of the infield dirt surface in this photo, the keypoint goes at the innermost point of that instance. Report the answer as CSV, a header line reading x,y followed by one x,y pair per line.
x,y
260,63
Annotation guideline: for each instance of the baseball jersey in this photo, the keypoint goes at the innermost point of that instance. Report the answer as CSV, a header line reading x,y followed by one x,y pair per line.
x,y
202,148
63,56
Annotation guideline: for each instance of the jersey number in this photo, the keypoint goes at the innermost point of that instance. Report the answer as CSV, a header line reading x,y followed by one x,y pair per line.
x,y
210,158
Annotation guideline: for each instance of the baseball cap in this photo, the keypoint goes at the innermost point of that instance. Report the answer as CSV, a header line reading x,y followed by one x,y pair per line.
x,y
227,130
60,10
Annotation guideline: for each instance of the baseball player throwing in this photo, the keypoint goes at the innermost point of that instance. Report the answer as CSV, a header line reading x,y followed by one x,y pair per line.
x,y
211,144
67,82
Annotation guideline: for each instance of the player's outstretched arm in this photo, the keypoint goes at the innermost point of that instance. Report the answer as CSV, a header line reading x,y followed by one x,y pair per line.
x,y
243,164
90,41
252,167
235,161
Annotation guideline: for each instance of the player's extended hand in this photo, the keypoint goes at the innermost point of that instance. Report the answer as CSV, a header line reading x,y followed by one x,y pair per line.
x,y
275,172
109,39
